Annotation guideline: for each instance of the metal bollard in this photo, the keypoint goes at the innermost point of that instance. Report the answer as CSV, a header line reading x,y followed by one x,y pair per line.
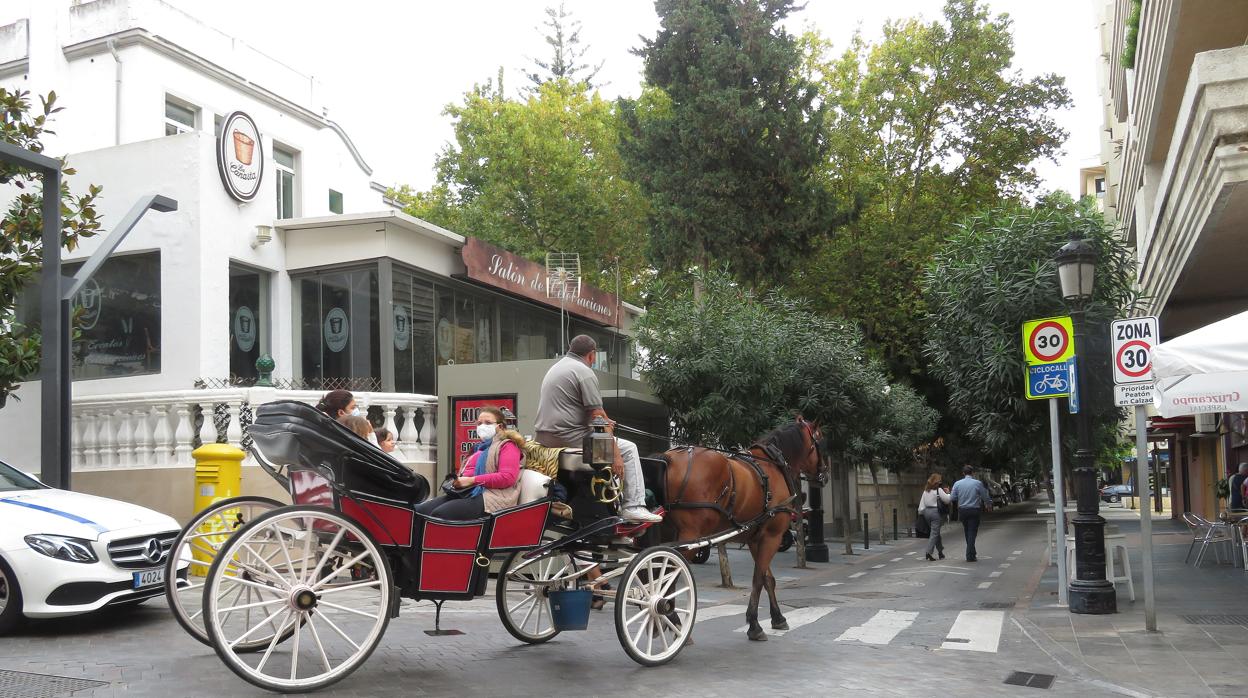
x,y
894,524
866,532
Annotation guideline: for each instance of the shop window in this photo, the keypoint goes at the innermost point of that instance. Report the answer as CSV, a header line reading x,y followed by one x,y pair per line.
x,y
284,169
464,329
118,318
180,117
339,335
249,330
413,312
335,201
528,333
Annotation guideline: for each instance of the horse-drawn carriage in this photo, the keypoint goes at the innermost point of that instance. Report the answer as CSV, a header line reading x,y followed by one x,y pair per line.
x,y
295,597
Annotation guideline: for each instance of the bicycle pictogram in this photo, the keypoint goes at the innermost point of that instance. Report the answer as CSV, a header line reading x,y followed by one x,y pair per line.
x,y
1051,383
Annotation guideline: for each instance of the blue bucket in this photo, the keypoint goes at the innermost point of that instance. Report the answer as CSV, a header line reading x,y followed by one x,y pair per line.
x,y
569,609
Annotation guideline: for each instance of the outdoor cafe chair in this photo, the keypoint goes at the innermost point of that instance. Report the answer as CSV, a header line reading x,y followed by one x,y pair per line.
x,y
1206,533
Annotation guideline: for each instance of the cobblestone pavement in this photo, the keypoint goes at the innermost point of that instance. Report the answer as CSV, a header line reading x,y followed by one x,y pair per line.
x,y
880,622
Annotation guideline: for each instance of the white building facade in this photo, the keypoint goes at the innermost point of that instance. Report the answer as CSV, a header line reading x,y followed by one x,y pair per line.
x,y
314,268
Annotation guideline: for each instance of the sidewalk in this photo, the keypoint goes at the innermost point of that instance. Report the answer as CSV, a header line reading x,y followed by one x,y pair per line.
x,y
1201,647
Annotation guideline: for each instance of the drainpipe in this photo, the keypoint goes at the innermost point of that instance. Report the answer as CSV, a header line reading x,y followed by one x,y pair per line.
x,y
112,48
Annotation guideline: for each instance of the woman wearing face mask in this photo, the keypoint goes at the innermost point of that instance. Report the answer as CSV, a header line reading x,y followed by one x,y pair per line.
x,y
493,469
338,404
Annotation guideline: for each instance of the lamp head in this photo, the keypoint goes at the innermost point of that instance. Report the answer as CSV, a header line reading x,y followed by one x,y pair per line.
x,y
1076,269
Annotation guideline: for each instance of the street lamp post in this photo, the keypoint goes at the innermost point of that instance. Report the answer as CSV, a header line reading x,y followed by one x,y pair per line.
x,y
1090,591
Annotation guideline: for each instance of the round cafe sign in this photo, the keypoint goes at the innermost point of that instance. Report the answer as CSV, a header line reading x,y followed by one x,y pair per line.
x,y
402,328
337,329
245,330
240,159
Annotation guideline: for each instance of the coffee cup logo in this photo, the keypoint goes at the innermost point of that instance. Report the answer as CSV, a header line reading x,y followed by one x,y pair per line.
x,y
244,147
91,300
337,329
402,328
245,329
240,157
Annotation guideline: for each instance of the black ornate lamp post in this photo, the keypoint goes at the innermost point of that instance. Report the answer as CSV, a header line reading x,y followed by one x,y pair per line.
x,y
1089,591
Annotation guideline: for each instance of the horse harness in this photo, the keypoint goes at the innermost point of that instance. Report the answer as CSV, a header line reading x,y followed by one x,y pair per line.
x,y
774,456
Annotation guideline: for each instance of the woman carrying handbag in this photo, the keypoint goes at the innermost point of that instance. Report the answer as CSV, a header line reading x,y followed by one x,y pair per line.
x,y
932,507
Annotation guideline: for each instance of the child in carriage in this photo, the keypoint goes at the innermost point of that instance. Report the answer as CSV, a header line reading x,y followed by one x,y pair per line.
x,y
492,471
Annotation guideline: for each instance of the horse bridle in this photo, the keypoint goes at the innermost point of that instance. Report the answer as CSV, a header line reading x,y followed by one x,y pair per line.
x,y
823,472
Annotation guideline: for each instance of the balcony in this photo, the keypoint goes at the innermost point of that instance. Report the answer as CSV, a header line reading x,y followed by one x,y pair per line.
x,y
1191,231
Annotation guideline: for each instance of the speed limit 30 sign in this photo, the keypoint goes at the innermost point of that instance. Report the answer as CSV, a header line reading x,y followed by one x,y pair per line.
x,y
1048,341
1133,342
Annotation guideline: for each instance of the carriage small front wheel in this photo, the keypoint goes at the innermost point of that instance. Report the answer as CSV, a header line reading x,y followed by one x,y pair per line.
x,y
522,593
321,580
656,606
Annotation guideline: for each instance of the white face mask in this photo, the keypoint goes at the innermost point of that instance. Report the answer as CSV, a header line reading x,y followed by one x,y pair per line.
x,y
487,431
355,412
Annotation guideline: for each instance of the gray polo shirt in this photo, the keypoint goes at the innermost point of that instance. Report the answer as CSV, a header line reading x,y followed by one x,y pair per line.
x,y
569,392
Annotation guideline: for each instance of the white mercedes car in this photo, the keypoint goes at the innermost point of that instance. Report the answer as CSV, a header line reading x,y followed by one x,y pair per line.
x,y
64,553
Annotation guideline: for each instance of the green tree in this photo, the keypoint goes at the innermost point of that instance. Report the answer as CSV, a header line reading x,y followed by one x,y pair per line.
x,y
563,36
929,124
994,274
727,142
537,175
731,364
21,246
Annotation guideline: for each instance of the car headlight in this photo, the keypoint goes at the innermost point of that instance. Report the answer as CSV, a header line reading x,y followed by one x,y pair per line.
x,y
62,547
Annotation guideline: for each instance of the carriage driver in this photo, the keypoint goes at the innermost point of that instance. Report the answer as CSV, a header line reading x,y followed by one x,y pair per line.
x,y
569,401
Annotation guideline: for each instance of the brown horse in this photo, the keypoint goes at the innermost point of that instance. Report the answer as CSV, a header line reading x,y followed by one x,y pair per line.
x,y
712,491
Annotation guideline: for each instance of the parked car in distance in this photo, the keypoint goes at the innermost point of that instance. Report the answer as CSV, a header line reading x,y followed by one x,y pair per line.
x,y
63,553
1115,493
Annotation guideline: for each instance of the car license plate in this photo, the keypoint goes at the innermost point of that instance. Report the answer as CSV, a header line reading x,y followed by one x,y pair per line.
x,y
147,578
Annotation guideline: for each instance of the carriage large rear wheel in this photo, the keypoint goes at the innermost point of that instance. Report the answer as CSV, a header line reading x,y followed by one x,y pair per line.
x,y
324,594
522,594
195,548
656,606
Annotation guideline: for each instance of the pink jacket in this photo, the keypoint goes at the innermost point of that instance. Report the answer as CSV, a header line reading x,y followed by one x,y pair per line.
x,y
508,468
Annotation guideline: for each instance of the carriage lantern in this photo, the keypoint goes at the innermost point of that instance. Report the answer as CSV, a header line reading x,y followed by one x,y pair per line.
x,y
600,446
509,419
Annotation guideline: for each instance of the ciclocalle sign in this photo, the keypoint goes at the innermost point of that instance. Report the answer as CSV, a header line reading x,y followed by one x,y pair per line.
x,y
509,272
240,157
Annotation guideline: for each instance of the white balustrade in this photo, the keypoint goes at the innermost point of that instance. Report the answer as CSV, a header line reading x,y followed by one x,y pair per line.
x,y
161,447
107,444
183,433
156,429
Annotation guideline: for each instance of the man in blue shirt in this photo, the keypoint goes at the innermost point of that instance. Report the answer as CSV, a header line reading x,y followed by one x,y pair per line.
x,y
972,498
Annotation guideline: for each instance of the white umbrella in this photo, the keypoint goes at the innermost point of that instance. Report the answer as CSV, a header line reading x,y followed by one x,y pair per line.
x,y
1205,370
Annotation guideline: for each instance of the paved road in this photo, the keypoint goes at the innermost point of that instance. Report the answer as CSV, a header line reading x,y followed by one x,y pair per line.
x,y
882,622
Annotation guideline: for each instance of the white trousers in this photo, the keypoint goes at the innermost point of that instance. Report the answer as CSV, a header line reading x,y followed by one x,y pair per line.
x,y
634,484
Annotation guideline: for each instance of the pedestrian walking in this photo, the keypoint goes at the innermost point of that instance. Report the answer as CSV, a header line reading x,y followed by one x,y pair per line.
x,y
973,499
933,504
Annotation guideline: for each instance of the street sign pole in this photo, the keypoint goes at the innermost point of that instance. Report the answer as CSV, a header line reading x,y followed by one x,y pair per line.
x,y
1059,502
1146,516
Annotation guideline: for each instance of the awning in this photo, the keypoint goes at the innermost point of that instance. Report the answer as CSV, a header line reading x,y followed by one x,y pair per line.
x,y
1205,370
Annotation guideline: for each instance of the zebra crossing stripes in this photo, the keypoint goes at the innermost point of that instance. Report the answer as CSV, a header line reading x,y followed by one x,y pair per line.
x,y
975,631
731,609
796,618
969,631
881,628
